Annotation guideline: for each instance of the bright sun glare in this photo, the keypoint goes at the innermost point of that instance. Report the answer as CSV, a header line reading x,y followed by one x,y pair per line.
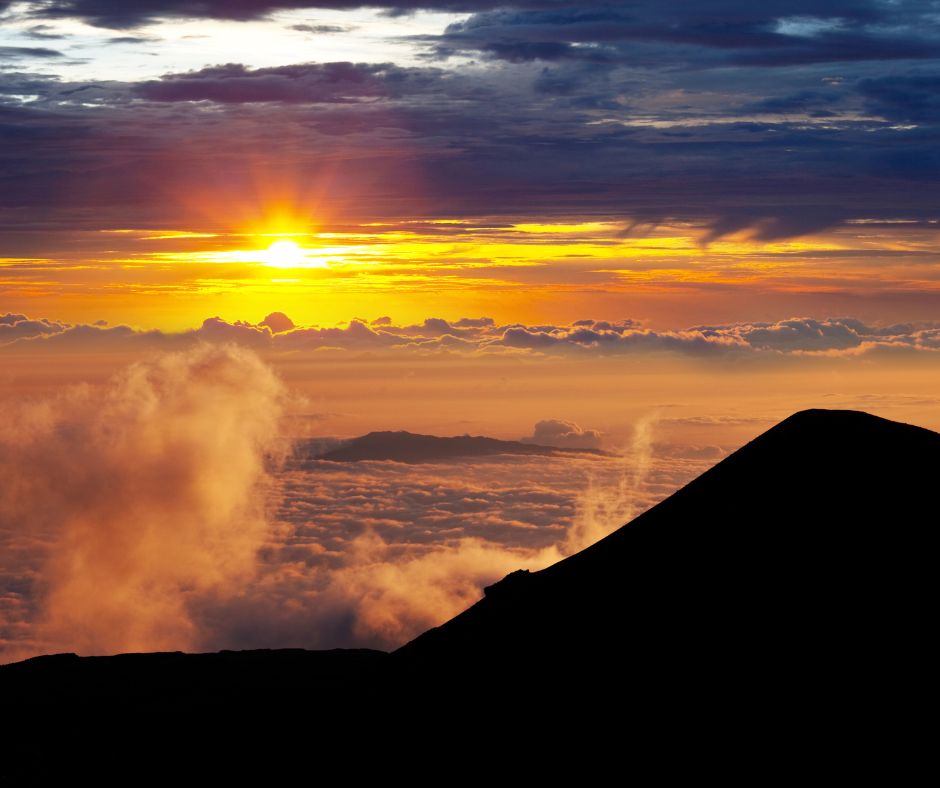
x,y
284,254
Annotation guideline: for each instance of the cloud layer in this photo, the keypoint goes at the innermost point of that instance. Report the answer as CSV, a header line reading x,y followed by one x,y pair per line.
x,y
374,553
152,513
567,434
796,337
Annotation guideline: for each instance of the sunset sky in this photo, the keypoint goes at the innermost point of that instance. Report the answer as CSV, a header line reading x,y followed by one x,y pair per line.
x,y
666,225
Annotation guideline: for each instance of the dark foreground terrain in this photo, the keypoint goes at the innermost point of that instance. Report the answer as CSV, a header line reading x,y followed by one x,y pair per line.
x,y
779,607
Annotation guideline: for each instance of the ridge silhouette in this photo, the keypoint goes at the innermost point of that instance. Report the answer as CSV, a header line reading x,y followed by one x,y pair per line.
x,y
410,447
786,591
815,535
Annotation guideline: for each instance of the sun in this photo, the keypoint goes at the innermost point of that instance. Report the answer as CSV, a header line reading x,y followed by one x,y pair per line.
x,y
284,254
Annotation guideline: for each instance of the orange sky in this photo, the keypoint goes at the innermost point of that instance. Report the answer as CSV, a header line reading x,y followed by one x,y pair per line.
x,y
528,272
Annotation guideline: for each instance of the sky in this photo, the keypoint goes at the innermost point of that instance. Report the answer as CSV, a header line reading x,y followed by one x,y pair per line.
x,y
654,228
669,162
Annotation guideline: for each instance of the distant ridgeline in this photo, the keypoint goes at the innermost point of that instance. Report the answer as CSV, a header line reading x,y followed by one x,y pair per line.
x,y
409,447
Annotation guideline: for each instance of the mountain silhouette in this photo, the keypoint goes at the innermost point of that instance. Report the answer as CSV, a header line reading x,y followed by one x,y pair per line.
x,y
410,447
780,601
815,538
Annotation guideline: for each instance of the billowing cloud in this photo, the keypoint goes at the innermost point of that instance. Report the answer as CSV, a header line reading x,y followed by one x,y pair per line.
x,y
794,337
310,83
13,327
278,322
142,494
564,434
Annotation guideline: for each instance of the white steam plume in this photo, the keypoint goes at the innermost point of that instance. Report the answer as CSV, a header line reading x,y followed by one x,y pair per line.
x,y
602,509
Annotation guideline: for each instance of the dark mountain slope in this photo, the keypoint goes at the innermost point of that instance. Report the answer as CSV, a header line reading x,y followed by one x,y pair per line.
x,y
774,615
812,548
151,678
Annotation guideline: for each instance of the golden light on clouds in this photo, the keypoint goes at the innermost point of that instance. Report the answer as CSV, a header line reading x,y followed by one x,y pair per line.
x,y
524,271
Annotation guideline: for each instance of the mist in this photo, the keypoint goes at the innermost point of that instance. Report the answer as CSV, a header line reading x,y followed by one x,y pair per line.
x,y
154,512
380,590
145,492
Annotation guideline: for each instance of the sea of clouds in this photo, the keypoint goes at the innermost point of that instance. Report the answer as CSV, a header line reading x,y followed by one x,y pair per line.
x,y
165,510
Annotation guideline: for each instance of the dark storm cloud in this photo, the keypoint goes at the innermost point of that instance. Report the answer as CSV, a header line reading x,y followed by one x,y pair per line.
x,y
472,156
778,223
913,97
43,32
131,40
639,111
23,53
132,13
308,83
319,29
814,102
716,33
729,21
